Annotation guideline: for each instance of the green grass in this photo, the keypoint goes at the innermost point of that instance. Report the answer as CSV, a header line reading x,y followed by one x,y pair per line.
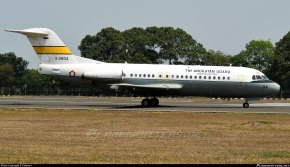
x,y
275,154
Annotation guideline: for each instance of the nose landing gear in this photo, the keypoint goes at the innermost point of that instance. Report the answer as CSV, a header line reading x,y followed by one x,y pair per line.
x,y
154,102
246,105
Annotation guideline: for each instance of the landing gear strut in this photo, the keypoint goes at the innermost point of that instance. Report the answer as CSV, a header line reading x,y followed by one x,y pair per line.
x,y
246,104
154,102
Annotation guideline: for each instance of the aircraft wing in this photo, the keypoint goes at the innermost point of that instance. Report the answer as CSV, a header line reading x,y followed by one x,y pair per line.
x,y
162,86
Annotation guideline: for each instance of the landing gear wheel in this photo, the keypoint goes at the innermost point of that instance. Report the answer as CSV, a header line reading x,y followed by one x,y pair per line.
x,y
246,105
154,102
145,103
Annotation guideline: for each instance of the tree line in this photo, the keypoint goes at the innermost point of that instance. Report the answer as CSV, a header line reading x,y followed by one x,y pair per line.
x,y
175,46
154,45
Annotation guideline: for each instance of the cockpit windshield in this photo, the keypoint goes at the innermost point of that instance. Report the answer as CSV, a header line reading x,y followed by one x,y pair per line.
x,y
259,77
264,77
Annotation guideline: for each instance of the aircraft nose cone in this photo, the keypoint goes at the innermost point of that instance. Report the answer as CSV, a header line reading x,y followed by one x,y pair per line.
x,y
275,88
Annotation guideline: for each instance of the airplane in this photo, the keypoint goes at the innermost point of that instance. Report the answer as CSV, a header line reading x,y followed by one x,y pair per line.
x,y
147,80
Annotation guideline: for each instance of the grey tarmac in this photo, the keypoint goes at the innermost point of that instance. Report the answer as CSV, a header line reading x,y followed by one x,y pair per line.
x,y
133,104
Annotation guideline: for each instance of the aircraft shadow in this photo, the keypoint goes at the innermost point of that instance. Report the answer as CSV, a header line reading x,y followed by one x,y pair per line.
x,y
18,104
188,107
123,107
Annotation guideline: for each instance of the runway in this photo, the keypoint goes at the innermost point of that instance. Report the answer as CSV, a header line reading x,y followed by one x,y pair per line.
x,y
133,104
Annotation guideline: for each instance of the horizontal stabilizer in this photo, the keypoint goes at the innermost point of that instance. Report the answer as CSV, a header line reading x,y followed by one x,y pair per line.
x,y
29,32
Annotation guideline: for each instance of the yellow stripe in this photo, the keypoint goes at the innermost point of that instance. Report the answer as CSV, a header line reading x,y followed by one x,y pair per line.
x,y
51,50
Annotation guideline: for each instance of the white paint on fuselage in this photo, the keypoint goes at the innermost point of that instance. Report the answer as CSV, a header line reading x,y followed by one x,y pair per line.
x,y
158,72
210,81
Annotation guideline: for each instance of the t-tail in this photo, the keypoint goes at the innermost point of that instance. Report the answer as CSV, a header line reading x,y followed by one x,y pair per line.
x,y
50,48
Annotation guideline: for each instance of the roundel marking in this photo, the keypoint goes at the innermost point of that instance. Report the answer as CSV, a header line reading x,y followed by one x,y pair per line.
x,y
72,73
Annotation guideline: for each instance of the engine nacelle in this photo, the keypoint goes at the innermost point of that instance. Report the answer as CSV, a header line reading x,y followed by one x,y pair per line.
x,y
104,74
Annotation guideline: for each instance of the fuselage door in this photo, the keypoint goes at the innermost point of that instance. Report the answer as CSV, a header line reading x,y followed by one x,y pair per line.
x,y
164,76
240,81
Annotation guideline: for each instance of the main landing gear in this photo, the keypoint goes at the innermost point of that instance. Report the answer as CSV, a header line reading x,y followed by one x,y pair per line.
x,y
246,104
154,102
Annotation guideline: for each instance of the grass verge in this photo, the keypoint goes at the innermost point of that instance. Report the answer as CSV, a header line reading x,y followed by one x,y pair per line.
x,y
89,136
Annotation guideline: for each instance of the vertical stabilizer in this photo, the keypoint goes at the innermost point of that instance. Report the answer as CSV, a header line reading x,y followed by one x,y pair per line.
x,y
48,46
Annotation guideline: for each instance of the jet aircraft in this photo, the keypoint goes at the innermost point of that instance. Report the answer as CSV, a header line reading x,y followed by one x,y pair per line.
x,y
148,80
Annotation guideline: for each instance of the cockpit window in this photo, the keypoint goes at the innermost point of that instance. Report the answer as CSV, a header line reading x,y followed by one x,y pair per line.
x,y
258,77
254,77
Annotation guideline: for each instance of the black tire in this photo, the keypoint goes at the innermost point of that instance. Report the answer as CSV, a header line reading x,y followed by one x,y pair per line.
x,y
246,105
154,102
145,103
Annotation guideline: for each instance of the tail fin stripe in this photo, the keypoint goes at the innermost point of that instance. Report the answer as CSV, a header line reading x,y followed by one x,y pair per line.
x,y
51,50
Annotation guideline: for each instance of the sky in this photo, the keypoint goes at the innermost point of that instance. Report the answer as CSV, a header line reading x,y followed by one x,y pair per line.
x,y
224,25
